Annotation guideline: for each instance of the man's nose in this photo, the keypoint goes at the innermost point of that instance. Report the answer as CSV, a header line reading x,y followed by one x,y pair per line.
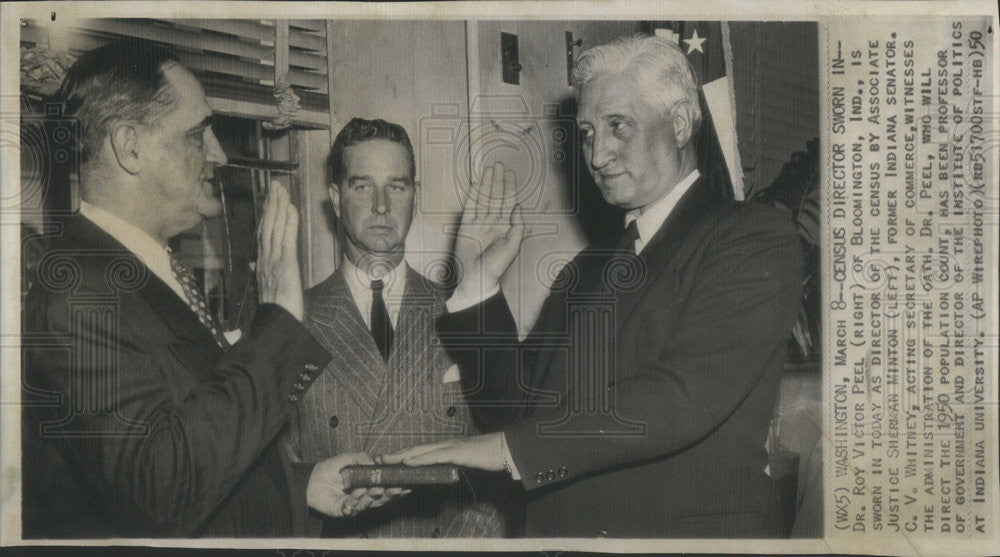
x,y
215,153
601,152
380,203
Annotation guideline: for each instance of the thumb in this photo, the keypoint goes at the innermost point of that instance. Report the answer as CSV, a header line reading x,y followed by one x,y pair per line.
x,y
516,231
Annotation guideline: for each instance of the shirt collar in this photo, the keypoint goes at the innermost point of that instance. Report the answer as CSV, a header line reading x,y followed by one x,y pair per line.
x,y
653,217
137,241
359,281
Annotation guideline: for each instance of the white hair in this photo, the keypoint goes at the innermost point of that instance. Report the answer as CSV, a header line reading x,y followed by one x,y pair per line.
x,y
658,67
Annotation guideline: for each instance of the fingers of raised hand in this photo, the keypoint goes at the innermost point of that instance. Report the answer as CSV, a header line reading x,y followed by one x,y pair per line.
x,y
290,236
484,192
266,227
280,196
470,208
290,240
508,193
496,192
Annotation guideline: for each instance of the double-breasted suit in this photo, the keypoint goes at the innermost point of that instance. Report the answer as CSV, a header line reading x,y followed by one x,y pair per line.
x,y
646,386
135,422
362,403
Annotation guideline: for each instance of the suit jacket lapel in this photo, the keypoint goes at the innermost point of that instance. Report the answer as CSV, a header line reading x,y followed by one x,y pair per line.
x,y
412,360
195,346
336,323
664,244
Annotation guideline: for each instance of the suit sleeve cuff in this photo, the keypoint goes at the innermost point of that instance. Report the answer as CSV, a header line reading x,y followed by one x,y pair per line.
x,y
302,359
543,462
508,462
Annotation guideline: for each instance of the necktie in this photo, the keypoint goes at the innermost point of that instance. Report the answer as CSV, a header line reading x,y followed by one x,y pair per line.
x,y
195,299
631,234
381,324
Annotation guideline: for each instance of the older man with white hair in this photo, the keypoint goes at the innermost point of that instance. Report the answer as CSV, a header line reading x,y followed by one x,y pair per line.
x,y
664,377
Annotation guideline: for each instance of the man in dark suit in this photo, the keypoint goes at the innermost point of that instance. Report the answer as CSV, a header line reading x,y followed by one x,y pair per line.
x,y
643,394
140,419
388,384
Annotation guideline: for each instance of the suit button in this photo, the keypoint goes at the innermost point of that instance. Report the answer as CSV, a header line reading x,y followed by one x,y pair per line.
x,y
550,475
293,398
299,387
303,377
436,533
451,411
334,421
563,471
539,477
602,534
311,367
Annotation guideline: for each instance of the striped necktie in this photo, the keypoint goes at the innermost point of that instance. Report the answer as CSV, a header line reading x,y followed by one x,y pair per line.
x,y
195,299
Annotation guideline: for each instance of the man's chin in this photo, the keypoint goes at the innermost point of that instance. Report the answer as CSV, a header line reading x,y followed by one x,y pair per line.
x,y
211,208
616,196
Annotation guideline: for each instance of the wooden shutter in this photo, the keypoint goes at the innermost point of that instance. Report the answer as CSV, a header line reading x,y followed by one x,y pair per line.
x,y
234,59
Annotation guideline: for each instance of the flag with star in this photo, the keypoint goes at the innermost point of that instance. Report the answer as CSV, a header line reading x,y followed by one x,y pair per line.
x,y
706,44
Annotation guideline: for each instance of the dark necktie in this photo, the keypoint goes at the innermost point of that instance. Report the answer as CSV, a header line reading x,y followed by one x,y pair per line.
x,y
381,324
631,234
195,299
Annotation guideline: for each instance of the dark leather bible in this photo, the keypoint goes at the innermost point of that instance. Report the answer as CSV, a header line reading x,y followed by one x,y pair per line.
x,y
398,475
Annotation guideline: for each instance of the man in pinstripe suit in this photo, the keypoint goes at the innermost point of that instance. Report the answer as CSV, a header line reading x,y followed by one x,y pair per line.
x,y
388,384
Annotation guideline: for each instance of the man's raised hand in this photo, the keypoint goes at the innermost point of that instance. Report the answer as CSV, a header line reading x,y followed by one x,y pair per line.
x,y
490,234
278,278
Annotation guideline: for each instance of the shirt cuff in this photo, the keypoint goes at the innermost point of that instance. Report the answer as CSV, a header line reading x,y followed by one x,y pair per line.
x,y
508,461
456,304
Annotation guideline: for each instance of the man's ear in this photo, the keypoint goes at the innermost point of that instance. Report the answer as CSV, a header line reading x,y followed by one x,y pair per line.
x,y
124,138
683,121
416,197
334,191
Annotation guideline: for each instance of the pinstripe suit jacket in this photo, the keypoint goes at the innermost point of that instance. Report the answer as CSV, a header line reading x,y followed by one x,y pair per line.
x,y
362,403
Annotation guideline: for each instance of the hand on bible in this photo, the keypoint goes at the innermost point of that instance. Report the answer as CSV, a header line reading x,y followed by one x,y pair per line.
x,y
325,492
484,452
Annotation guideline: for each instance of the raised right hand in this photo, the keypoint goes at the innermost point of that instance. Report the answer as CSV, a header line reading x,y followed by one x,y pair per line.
x,y
278,276
491,232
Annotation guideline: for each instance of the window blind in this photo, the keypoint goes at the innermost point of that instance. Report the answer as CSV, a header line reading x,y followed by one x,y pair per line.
x,y
234,59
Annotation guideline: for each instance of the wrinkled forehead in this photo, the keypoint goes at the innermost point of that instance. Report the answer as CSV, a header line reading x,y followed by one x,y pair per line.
x,y
377,158
608,94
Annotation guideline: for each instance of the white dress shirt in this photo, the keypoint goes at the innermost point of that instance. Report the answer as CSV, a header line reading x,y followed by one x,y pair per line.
x,y
359,283
649,219
152,253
